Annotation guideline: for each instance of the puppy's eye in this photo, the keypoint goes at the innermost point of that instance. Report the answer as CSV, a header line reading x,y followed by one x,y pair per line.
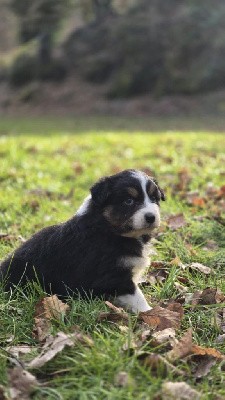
x,y
154,199
129,201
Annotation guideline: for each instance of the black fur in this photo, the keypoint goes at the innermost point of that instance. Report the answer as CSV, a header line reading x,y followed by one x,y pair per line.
x,y
83,254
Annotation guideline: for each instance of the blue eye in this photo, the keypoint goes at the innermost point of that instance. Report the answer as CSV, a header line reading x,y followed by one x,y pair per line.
x,y
129,201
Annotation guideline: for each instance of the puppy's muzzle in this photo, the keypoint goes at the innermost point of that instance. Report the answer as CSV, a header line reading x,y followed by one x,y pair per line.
x,y
149,218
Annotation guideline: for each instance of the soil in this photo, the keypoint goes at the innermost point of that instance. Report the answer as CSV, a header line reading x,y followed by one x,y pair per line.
x,y
76,97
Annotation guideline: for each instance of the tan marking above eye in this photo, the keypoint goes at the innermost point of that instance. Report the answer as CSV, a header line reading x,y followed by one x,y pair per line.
x,y
151,188
133,192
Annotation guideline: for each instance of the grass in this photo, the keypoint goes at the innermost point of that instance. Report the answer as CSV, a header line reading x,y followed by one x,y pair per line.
x,y
46,170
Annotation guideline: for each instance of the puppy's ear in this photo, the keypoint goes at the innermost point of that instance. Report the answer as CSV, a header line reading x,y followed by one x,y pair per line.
x,y
162,194
100,191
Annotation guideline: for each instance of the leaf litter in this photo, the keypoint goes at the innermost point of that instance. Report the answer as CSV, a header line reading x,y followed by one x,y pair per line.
x,y
21,383
55,345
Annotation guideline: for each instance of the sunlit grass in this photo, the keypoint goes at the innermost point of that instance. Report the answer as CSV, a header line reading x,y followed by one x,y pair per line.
x,y
46,170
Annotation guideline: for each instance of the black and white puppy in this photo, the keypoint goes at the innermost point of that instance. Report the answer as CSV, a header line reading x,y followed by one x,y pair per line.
x,y
102,249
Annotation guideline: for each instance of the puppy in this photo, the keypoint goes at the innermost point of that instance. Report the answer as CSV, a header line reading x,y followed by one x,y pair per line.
x,y
101,250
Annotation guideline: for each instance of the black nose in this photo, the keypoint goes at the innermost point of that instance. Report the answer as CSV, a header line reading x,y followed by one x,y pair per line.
x,y
150,218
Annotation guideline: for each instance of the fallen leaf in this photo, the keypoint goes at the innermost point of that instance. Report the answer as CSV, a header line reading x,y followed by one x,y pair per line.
x,y
176,221
200,267
177,307
155,363
207,351
193,298
164,336
51,307
21,383
204,366
78,168
46,309
210,245
185,347
198,202
219,319
116,315
41,329
179,391
123,379
9,238
180,288
184,179
16,351
182,348
55,345
221,192
211,296
156,276
3,395
130,345
159,264
220,339
159,318
113,307
177,262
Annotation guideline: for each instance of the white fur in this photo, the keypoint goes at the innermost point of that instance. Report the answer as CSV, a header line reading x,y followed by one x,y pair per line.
x,y
134,302
84,206
148,207
138,264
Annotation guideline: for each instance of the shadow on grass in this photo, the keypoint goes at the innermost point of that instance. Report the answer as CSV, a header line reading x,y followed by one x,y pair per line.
x,y
46,126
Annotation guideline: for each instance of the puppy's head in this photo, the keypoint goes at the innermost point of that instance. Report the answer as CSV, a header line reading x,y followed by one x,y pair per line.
x,y
129,201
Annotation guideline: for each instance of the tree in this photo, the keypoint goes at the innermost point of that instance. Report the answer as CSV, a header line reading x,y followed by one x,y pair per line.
x,y
102,8
39,19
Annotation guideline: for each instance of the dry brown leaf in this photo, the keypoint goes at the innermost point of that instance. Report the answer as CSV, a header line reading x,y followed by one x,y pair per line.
x,y
164,336
176,221
185,347
193,298
210,245
184,179
113,317
220,339
207,351
211,296
41,329
130,345
159,264
55,345
155,363
16,351
116,315
201,268
159,318
123,379
179,391
3,395
219,319
21,383
198,202
177,262
176,307
48,308
181,349
156,276
180,288
78,168
204,365
51,307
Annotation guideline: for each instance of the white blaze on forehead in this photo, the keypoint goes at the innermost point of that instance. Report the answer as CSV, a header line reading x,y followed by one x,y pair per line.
x,y
84,206
147,206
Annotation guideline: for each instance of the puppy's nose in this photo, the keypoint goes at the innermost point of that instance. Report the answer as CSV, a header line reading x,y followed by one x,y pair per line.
x,y
149,218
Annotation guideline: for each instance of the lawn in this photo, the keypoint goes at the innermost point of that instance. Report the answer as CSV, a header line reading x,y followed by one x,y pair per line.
x,y
46,169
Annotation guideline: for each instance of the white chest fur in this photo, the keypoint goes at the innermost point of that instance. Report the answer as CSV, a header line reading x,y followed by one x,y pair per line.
x,y
138,264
